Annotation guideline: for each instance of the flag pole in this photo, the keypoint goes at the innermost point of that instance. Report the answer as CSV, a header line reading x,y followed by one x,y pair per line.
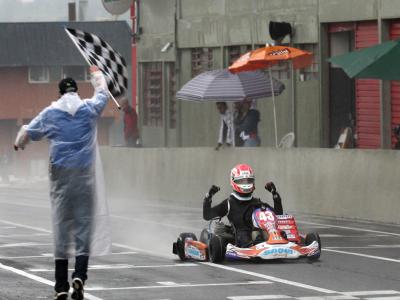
x,y
90,64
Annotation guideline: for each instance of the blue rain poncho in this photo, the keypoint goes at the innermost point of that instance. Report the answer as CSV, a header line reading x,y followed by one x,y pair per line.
x,y
79,210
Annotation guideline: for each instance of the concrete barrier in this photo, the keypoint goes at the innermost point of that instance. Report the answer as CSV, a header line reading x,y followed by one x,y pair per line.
x,y
360,184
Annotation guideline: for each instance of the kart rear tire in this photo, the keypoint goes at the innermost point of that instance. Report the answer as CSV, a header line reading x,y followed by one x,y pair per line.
x,y
310,238
216,249
180,244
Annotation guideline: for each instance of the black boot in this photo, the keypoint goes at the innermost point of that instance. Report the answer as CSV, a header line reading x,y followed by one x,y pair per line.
x,y
61,275
77,285
79,276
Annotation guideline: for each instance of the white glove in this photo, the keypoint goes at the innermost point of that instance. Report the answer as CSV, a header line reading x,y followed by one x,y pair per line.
x,y
98,81
22,138
244,136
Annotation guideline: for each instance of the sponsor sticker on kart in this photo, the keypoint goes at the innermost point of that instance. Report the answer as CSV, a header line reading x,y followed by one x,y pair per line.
x,y
194,253
281,252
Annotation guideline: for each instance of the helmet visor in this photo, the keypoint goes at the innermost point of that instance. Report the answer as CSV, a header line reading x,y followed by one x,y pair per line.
x,y
244,181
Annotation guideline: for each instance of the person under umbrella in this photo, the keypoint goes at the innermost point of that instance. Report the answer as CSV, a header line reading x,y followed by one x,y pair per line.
x,y
246,124
226,129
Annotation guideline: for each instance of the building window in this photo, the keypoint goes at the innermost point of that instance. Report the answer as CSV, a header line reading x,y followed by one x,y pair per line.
x,y
234,52
55,73
311,72
152,94
38,74
171,86
202,60
76,72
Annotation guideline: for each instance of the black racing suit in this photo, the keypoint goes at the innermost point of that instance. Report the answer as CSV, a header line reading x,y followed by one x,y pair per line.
x,y
239,214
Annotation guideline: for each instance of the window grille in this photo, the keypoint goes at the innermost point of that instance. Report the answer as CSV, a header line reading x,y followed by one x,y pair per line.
x,y
202,60
152,94
171,94
311,72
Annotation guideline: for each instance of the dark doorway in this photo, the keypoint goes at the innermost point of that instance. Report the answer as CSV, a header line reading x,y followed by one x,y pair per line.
x,y
341,88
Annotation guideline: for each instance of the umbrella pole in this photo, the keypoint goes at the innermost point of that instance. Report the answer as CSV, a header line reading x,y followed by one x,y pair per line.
x,y
273,101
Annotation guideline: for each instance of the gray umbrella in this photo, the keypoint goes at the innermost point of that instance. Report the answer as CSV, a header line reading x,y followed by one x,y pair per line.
x,y
222,85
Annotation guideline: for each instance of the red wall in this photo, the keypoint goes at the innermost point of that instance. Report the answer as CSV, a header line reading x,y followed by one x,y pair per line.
x,y
20,101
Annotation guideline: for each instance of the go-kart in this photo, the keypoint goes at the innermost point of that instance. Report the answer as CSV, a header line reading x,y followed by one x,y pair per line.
x,y
276,237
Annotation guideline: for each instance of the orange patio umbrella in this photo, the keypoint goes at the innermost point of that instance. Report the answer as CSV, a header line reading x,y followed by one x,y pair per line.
x,y
263,58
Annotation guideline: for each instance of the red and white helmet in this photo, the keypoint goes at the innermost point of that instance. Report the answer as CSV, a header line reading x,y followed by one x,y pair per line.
x,y
242,179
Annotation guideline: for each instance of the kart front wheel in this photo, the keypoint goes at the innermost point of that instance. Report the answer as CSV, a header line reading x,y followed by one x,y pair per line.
x,y
216,249
180,244
310,238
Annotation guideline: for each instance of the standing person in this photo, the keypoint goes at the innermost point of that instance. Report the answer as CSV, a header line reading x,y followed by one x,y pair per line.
x,y
131,131
79,210
226,130
237,117
247,124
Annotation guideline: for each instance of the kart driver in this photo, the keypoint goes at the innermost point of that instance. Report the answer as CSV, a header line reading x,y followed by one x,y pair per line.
x,y
240,204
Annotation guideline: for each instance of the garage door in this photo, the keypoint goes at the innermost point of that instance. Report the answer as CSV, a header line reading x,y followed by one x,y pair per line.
x,y
395,85
367,93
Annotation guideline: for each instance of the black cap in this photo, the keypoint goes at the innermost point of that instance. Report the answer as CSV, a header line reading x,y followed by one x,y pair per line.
x,y
67,85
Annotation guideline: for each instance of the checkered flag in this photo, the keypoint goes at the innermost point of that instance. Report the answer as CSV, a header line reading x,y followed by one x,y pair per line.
x,y
99,53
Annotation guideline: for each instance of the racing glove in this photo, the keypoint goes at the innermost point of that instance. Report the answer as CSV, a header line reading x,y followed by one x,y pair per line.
x,y
270,187
213,190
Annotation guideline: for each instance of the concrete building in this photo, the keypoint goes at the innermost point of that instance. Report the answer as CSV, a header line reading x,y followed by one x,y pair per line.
x,y
181,38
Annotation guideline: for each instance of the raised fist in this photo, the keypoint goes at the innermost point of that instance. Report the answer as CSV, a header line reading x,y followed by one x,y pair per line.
x,y
213,190
270,187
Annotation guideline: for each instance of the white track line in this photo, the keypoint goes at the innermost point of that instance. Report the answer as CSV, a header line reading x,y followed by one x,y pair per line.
x,y
177,285
272,278
365,247
327,298
26,226
362,255
39,279
23,235
350,228
26,204
29,244
260,297
24,257
370,293
384,298
153,253
123,266
46,255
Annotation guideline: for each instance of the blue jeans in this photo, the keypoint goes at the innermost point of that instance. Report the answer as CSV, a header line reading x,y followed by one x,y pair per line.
x,y
252,142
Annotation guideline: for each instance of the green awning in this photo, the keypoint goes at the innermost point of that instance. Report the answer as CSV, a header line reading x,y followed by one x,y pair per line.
x,y
377,62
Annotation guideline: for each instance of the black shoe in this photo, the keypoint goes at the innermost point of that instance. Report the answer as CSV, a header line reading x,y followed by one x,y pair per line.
x,y
61,296
77,285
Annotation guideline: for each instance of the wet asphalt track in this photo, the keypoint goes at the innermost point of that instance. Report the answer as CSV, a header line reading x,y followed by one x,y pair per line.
x,y
359,260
